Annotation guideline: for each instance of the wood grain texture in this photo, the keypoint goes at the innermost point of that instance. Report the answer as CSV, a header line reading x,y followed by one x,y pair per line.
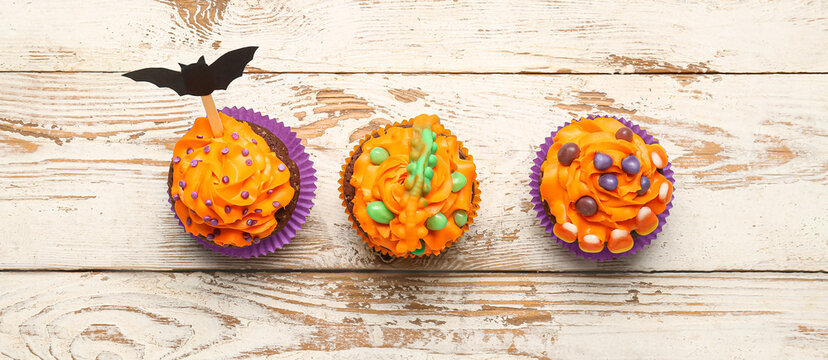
x,y
407,36
412,316
85,156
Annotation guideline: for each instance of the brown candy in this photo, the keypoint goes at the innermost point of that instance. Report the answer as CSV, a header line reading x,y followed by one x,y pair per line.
x,y
567,153
586,206
624,133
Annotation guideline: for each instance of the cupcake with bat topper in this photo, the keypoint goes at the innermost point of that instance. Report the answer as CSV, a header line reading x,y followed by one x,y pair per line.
x,y
410,189
240,182
602,187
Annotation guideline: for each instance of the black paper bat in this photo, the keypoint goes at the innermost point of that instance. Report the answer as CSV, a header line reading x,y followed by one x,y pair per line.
x,y
199,79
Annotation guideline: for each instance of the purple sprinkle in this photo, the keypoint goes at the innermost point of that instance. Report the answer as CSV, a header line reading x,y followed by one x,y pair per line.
x,y
256,240
254,141
217,232
246,236
207,218
176,160
235,136
227,209
210,237
189,221
251,222
214,222
276,204
207,149
245,194
176,197
270,192
194,195
225,179
249,162
225,151
182,183
189,150
258,211
282,167
244,212
194,163
208,202
245,152
193,212
199,136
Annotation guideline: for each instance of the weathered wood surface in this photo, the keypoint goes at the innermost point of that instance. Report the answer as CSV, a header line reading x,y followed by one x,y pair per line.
x,y
134,315
440,36
82,176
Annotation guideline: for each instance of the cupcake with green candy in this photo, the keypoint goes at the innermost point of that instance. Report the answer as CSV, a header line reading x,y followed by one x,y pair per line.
x,y
410,189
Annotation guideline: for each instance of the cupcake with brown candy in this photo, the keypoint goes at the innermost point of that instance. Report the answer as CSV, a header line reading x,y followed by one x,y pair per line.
x,y
602,186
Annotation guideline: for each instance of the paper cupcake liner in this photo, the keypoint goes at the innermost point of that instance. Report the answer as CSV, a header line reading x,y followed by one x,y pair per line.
x,y
307,186
639,242
472,213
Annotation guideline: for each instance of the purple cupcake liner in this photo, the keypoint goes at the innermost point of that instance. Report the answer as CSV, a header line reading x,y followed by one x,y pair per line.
x,y
307,186
639,242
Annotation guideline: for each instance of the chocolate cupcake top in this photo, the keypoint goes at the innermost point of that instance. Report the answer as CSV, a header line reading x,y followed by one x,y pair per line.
x,y
228,188
413,188
603,184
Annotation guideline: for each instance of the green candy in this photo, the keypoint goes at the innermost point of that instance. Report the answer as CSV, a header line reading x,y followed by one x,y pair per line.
x,y
460,218
436,222
432,160
378,155
411,168
458,180
379,212
421,250
429,173
433,148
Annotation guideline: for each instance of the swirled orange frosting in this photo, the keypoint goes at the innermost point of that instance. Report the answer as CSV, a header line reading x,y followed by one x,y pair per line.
x,y
619,211
412,208
228,188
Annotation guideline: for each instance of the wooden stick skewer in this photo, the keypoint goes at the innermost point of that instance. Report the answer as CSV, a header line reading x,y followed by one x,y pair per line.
x,y
212,115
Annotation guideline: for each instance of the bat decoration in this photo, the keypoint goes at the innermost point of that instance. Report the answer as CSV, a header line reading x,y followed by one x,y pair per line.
x,y
198,78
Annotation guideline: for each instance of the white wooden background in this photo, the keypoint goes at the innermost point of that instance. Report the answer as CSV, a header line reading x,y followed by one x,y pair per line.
x,y
94,266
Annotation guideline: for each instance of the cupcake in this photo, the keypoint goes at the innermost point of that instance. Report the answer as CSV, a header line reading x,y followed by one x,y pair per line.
x,y
410,189
236,189
602,187
239,182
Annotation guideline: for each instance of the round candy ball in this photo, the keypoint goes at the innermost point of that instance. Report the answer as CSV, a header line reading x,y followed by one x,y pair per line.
x,y
631,165
645,185
586,206
608,181
624,133
567,153
602,161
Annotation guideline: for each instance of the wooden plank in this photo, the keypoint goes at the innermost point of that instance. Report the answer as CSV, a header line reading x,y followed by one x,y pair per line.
x,y
85,156
403,316
404,36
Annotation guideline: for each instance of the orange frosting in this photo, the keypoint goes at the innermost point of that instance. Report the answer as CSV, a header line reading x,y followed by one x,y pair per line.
x,y
621,210
386,182
227,196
